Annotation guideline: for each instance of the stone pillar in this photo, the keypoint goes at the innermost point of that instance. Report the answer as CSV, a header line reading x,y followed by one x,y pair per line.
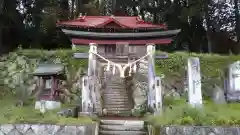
x,y
158,94
92,74
194,82
52,88
151,74
86,100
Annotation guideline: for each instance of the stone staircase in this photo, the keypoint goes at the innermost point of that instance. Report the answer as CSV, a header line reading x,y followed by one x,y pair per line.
x,y
122,127
116,99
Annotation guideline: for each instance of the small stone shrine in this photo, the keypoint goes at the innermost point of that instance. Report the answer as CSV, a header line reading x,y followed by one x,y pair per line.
x,y
49,81
232,82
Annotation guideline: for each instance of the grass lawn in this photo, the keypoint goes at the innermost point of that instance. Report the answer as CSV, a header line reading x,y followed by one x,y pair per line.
x,y
10,114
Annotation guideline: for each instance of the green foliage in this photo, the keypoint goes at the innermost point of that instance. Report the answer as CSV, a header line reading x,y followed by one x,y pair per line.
x,y
212,67
9,114
19,65
209,114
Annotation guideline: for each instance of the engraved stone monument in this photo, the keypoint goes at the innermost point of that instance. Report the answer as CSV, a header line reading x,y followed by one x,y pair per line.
x,y
158,94
232,82
194,82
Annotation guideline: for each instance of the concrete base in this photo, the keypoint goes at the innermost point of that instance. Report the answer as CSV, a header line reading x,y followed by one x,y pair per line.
x,y
48,104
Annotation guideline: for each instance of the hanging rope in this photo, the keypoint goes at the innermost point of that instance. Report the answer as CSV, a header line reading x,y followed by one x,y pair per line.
x,y
121,69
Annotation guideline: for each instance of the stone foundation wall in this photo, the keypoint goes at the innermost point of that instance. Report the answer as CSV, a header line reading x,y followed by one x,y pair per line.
x,y
198,130
46,129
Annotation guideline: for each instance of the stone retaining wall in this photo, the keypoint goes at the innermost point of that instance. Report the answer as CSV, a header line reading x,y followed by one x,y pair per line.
x,y
199,130
46,129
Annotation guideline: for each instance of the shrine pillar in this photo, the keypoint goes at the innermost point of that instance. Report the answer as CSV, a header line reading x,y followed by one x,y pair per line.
x,y
92,59
93,76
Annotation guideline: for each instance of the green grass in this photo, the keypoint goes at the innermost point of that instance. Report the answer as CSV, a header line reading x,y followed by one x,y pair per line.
x,y
180,113
10,114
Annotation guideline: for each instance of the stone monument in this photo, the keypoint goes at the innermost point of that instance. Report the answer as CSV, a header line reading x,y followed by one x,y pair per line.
x,y
232,85
87,105
194,82
158,94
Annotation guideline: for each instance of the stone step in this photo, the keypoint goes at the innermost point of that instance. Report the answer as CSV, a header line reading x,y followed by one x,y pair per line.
x,y
114,113
116,100
121,128
115,109
117,106
115,90
116,86
111,102
123,122
115,94
123,133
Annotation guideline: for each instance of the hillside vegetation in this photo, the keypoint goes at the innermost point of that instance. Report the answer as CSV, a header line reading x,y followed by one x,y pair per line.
x,y
16,68
20,63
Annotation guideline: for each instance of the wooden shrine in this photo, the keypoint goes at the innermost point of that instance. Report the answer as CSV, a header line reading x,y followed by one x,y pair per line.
x,y
49,82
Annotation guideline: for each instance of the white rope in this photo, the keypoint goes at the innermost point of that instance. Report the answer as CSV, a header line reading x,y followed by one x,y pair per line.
x,y
121,69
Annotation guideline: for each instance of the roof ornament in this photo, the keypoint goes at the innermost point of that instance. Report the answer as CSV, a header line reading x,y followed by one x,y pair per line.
x,y
81,17
139,19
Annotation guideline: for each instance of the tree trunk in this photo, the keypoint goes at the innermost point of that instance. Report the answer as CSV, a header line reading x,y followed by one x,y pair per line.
x,y
79,7
64,6
208,23
237,29
72,9
1,26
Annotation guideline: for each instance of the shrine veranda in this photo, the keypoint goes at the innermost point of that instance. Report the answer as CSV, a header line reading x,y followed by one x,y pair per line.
x,y
210,71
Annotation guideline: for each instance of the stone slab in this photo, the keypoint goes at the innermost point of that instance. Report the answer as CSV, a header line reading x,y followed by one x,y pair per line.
x,y
123,122
121,128
49,105
123,133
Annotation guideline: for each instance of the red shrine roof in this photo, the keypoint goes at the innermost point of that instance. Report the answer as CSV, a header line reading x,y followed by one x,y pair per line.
x,y
101,21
